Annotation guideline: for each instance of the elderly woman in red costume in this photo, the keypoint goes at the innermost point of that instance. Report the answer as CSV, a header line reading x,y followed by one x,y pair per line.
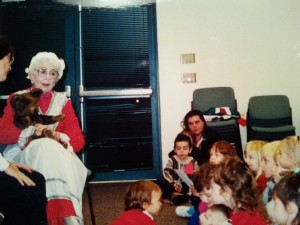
x,y
64,173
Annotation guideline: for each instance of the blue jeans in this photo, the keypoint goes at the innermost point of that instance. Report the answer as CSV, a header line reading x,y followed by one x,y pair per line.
x,y
194,220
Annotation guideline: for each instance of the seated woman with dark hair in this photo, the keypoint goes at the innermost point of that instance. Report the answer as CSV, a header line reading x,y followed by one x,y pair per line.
x,y
22,190
202,136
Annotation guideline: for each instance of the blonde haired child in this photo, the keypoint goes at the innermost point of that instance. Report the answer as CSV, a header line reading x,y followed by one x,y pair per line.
x,y
286,162
268,164
253,159
286,158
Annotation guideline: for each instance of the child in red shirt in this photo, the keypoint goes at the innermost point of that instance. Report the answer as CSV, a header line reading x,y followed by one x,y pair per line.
x,y
142,202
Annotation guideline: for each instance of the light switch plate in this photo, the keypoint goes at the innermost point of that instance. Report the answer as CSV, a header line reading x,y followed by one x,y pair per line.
x,y
187,58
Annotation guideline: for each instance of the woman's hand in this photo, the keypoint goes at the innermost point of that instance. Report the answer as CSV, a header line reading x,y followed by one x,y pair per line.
x,y
13,171
39,128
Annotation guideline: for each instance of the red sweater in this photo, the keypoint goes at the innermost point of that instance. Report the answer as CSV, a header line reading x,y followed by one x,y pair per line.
x,y
9,133
262,182
133,217
245,218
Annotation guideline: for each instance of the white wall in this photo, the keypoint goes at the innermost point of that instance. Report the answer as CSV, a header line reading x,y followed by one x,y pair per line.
x,y
252,46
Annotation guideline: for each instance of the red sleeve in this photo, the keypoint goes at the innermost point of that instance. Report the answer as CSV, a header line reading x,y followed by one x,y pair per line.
x,y
262,182
70,126
9,133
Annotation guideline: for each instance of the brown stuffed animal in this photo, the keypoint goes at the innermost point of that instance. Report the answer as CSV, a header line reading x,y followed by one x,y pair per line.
x,y
26,111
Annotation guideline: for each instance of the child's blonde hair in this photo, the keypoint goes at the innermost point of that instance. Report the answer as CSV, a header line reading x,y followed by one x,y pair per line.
x,y
270,148
256,146
291,147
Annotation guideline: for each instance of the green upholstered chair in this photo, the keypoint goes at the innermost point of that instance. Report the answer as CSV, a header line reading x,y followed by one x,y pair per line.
x,y
269,118
213,97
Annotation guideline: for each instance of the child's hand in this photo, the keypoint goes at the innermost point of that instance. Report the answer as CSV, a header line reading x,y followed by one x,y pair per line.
x,y
193,190
178,188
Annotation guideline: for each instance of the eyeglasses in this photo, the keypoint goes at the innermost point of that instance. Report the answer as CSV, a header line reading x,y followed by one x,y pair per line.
x,y
42,72
11,60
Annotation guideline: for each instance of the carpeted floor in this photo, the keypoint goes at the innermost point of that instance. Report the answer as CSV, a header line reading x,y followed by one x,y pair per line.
x,y
107,200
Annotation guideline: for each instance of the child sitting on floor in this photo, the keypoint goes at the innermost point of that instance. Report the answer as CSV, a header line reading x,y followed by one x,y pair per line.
x,y
142,202
216,215
286,199
268,164
219,151
286,158
253,159
232,184
174,188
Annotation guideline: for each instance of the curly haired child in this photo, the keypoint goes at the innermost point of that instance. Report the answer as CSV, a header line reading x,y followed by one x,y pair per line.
x,y
233,185
218,153
142,202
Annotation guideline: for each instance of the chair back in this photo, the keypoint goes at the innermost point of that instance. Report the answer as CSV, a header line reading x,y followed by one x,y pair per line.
x,y
206,98
269,111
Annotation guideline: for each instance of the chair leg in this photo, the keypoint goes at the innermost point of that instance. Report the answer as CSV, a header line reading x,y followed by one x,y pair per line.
x,y
88,190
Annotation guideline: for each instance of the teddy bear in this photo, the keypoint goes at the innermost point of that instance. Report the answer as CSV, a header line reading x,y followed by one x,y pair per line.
x,y
26,109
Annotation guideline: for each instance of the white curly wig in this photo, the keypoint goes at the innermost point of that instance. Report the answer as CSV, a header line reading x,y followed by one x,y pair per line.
x,y
51,57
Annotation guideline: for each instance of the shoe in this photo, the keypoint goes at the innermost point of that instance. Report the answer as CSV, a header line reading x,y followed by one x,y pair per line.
x,y
185,211
179,199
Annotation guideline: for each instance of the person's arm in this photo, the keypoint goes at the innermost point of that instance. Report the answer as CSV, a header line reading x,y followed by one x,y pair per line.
x,y
169,175
9,133
12,169
70,126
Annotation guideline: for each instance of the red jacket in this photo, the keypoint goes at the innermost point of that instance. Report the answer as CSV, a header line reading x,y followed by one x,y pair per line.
x,y
133,217
9,133
242,217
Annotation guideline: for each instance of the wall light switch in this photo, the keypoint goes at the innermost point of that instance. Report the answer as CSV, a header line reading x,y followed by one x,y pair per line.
x,y
187,58
188,77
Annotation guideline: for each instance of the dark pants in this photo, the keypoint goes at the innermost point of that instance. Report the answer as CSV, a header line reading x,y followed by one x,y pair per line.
x,y
23,204
168,189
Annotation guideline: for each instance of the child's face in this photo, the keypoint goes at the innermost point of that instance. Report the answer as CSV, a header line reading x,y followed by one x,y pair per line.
x,y
215,156
252,160
205,196
154,207
284,214
212,217
277,170
267,164
182,149
219,196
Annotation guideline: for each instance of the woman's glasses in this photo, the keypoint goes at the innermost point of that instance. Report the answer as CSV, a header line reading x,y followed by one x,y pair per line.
x,y
42,72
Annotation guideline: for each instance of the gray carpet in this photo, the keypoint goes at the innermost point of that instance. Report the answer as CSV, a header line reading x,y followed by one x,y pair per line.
x,y
107,200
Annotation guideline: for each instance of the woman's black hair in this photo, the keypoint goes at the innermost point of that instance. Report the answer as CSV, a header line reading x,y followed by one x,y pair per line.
x,y
5,47
191,114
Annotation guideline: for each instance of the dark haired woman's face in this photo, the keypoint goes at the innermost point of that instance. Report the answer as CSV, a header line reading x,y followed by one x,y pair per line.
x,y
195,125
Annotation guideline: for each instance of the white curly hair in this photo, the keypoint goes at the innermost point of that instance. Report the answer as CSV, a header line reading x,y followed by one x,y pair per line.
x,y
51,57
